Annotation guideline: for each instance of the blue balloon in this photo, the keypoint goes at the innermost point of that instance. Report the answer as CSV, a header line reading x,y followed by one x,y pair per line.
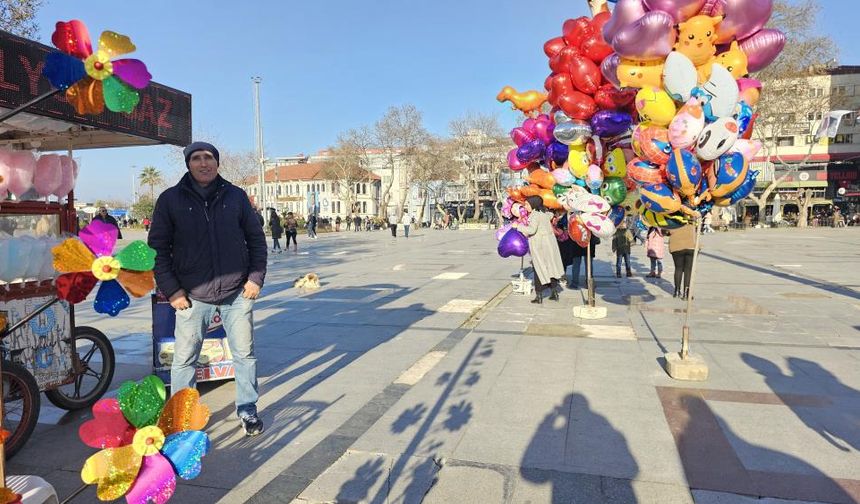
x,y
557,152
744,189
610,123
743,115
530,152
616,215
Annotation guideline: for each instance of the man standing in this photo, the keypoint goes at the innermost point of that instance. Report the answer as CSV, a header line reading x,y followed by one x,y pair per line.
x,y
210,255
406,220
312,226
107,218
392,223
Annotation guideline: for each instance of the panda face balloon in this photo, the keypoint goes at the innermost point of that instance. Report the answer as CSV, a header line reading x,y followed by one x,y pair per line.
x,y
717,138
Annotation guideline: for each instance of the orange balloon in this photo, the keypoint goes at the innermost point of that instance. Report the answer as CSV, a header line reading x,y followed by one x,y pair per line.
x,y
549,200
528,102
530,190
542,178
515,194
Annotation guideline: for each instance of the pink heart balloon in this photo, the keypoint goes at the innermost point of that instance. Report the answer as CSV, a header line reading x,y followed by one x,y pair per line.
x,y
762,48
609,69
521,136
514,163
650,37
743,18
529,126
543,130
625,12
713,8
681,10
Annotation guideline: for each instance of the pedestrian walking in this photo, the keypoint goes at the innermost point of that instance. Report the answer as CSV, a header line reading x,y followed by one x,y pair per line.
x,y
349,220
546,259
312,226
291,226
392,224
621,246
406,220
276,229
210,258
107,218
146,223
357,222
259,216
682,242
655,249
337,222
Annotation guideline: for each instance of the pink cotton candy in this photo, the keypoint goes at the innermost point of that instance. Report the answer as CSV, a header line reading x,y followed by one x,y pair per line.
x,y
49,174
5,173
21,176
69,174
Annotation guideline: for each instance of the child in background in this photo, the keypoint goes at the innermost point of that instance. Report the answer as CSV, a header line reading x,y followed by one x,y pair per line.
x,y
621,247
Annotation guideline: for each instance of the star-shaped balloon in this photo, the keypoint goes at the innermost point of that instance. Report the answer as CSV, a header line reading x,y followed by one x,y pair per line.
x,y
88,259
142,453
94,79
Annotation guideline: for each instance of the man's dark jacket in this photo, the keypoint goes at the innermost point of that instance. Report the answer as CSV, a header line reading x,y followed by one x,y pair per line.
x,y
209,248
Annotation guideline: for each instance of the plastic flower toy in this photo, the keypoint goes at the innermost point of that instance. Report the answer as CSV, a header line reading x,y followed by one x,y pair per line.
x,y
93,79
145,442
85,261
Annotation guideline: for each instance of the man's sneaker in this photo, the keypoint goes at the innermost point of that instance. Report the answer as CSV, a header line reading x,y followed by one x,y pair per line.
x,y
251,424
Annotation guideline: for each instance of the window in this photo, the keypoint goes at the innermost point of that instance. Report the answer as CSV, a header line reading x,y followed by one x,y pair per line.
x,y
279,190
842,139
813,116
785,141
334,187
363,207
816,92
363,188
841,90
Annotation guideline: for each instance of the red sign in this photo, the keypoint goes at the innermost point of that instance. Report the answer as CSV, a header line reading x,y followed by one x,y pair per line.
x,y
163,114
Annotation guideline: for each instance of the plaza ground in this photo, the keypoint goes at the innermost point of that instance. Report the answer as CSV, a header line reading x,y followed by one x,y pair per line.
x,y
415,375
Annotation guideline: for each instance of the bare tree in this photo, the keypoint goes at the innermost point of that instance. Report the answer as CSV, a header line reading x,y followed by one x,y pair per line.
x,y
348,163
478,148
399,133
790,105
431,171
19,17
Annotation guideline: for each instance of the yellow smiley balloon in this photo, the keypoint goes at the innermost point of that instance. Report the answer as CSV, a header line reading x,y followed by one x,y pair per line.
x,y
578,161
655,106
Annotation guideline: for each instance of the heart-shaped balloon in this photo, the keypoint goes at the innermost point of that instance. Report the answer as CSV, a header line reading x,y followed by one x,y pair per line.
x,y
529,126
141,402
595,48
609,69
108,428
574,31
513,243
680,10
558,116
577,105
560,63
649,38
762,48
610,98
572,132
742,19
584,74
531,151
543,130
520,136
625,12
556,152
713,8
552,46
501,231
610,123
514,163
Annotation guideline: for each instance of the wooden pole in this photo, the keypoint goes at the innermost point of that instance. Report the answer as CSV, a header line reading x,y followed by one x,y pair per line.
x,y
588,276
685,331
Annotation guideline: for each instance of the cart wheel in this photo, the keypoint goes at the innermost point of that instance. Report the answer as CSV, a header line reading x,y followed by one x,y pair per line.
x,y
98,364
20,405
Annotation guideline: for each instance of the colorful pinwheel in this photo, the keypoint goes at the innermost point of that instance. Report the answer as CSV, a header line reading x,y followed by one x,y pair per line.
x,y
91,79
145,442
87,260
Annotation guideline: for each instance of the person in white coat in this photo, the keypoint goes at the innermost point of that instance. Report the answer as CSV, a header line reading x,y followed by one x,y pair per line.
x,y
406,220
546,258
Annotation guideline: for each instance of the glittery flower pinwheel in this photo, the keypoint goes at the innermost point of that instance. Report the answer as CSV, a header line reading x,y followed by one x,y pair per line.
x,y
145,442
93,79
87,259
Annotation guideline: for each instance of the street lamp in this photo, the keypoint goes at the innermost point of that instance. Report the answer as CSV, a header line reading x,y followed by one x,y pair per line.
x,y
258,133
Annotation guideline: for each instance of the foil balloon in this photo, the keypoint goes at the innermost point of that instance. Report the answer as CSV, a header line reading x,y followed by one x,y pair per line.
x,y
661,220
553,46
585,75
513,243
747,148
563,177
594,177
577,231
609,69
574,31
608,97
687,125
684,173
558,117
696,38
572,132
655,106
501,231
541,178
654,144
578,161
577,105
718,95
680,10
679,76
639,73
626,12
556,152
610,123
650,37
543,127
531,151
727,174
589,203
717,138
734,60
595,48
743,18
514,163
599,224
660,198
613,190
749,91
616,215
743,115
745,189
615,164
762,48
521,137
526,102
558,190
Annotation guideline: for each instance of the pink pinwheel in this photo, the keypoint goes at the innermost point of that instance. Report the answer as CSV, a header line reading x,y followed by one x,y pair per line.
x,y
87,259
92,79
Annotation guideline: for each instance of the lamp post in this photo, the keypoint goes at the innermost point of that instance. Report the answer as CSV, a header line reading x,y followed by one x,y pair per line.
x,y
258,134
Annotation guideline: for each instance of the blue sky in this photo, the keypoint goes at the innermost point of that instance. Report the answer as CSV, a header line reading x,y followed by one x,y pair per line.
x,y
332,65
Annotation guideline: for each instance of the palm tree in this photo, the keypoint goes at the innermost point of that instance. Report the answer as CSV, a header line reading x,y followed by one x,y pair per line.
x,y
152,177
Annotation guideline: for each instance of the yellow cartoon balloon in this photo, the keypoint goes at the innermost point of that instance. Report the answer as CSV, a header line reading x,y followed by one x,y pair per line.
x,y
655,106
696,38
734,60
577,161
639,74
615,165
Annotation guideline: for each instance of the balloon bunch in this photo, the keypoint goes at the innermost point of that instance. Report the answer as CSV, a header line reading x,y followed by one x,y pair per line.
x,y
694,105
50,174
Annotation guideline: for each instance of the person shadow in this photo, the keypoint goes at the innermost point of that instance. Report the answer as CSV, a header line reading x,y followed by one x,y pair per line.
x,y
838,426
588,443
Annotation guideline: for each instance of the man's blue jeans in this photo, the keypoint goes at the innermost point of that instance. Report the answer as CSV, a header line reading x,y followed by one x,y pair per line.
x,y
238,320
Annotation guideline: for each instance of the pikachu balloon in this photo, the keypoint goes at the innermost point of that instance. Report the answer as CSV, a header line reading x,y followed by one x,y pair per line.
x,y
696,38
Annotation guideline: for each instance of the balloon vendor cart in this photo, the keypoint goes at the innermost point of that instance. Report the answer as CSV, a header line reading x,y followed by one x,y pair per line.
x,y
55,101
